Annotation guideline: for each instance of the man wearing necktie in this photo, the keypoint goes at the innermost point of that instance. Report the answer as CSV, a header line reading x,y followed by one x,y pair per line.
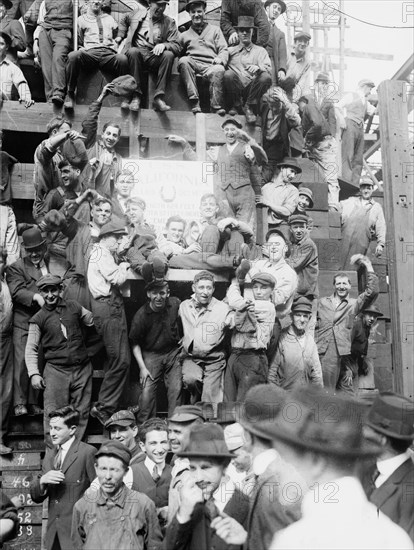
x,y
67,471
206,493
152,43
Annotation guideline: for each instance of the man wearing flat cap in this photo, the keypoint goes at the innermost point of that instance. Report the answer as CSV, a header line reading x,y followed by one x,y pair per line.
x,y
326,453
390,482
105,277
276,45
303,256
248,73
362,221
155,337
114,517
297,360
206,493
351,111
122,426
299,65
67,376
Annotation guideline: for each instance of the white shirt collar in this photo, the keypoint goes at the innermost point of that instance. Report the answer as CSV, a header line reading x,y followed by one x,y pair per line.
x,y
66,446
388,466
150,465
223,493
263,460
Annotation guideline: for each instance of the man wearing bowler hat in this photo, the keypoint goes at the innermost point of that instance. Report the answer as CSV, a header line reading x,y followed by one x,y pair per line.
x,y
352,110
390,422
248,73
105,277
204,53
325,449
57,327
276,45
297,360
362,221
280,195
206,493
151,42
303,256
21,277
114,517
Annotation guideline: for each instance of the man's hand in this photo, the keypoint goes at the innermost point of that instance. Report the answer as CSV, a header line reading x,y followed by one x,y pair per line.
x,y
341,121
233,39
281,75
28,102
94,163
39,300
253,69
194,247
173,138
379,250
229,530
278,93
107,89
52,477
227,222
73,134
190,495
249,153
348,377
260,201
37,382
217,61
144,374
242,136
18,501
158,49
36,48
118,40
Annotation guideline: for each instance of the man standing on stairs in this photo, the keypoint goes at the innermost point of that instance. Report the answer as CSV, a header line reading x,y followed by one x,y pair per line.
x,y
67,471
204,53
335,318
152,42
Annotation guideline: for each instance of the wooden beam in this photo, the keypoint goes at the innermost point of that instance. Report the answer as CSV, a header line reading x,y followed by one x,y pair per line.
x,y
398,174
354,53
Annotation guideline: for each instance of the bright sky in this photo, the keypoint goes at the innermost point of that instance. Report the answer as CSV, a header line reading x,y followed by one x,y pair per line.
x,y
367,38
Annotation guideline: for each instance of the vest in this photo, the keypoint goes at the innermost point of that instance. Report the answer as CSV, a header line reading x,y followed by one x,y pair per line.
x,y
58,350
356,110
233,168
58,14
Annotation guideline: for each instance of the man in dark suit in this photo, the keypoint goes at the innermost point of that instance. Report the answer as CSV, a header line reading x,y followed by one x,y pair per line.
x,y
67,471
21,278
276,46
390,482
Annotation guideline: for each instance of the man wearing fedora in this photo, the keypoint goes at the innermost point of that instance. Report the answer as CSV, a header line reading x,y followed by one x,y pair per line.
x,y
112,516
319,125
280,195
360,338
231,10
248,73
352,110
204,53
297,360
151,42
299,65
362,221
325,449
67,376
390,484
276,45
206,493
335,317
21,277
155,337
303,256
105,277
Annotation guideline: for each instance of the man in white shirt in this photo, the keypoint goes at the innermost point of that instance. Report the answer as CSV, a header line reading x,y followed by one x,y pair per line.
x,y
11,74
390,421
105,277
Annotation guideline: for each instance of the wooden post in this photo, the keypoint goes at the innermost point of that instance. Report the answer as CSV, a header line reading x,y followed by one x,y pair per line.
x,y
398,171
201,144
75,24
341,49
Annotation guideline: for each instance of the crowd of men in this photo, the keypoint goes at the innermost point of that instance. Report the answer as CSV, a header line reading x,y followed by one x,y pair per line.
x,y
263,429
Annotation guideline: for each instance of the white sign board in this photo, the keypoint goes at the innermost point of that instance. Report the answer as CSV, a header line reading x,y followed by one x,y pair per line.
x,y
170,188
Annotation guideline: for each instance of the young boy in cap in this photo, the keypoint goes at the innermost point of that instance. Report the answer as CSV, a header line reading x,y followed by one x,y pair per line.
x,y
155,338
276,45
67,471
252,329
122,427
105,277
67,376
280,195
204,320
297,359
326,454
303,256
205,493
362,220
390,422
114,517
360,337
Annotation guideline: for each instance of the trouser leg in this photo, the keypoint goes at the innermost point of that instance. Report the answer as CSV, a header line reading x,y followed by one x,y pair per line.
x,y
253,370
148,397
257,87
187,68
162,65
62,43
80,394
23,393
113,63
233,88
6,380
231,378
331,364
358,159
325,156
56,395
45,55
193,374
173,379
214,74
80,59
135,65
213,381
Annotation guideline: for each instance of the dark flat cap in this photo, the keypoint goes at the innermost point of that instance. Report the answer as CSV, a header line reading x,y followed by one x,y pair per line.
x,y
121,418
117,450
48,280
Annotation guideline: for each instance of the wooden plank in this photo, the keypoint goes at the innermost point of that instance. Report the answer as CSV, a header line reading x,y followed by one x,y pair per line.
x,y
329,254
319,218
20,461
397,158
335,233
319,233
29,537
383,303
19,481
